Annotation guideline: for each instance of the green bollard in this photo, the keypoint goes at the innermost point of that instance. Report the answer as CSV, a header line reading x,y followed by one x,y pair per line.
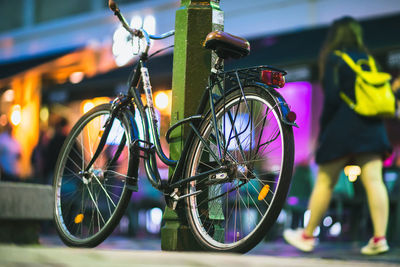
x,y
191,68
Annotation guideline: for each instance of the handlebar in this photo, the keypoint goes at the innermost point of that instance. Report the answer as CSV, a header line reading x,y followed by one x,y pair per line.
x,y
136,32
113,6
162,36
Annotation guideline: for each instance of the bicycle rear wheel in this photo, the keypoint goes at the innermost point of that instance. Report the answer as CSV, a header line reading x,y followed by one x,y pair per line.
x,y
233,209
89,205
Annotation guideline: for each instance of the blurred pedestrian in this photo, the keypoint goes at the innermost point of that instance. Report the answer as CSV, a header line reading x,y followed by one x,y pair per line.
x,y
10,155
346,138
54,147
396,87
38,158
396,91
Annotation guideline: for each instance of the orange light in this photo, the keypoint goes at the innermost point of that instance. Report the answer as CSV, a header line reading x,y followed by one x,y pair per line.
x,y
161,100
44,114
352,171
76,77
88,105
3,120
8,95
16,117
263,193
79,218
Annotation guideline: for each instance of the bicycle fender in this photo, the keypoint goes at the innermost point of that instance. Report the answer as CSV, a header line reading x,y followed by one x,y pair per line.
x,y
280,102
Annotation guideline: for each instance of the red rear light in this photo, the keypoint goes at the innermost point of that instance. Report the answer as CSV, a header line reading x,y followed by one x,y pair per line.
x,y
291,116
273,78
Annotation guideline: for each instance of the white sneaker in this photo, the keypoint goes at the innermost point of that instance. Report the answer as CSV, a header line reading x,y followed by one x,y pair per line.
x,y
296,239
373,248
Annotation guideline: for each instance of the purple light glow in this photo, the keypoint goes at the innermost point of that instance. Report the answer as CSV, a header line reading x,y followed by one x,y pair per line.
x,y
242,127
292,201
298,96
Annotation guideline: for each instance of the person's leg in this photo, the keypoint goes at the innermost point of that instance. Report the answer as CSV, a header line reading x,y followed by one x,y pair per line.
x,y
378,201
327,178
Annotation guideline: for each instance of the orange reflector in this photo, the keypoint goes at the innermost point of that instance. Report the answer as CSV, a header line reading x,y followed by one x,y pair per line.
x,y
352,171
263,193
101,133
79,218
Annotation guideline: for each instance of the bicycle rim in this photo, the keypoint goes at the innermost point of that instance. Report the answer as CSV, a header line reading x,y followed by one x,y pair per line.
x,y
89,205
237,206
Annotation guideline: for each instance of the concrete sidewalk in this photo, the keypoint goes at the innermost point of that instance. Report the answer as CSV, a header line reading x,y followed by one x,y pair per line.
x,y
11,255
121,251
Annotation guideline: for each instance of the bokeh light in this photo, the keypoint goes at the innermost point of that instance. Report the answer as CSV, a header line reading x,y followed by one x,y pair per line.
x,y
3,120
8,96
16,117
88,105
44,114
76,77
161,100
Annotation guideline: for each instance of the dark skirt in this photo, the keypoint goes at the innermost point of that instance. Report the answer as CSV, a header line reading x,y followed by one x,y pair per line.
x,y
348,133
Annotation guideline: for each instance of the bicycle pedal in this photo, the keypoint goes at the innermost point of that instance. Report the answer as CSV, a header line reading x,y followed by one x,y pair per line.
x,y
175,196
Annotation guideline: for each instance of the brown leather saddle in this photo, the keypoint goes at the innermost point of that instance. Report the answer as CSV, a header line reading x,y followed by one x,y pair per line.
x,y
227,45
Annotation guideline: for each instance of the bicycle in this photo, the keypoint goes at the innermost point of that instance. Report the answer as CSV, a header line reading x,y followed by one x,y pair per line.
x,y
234,171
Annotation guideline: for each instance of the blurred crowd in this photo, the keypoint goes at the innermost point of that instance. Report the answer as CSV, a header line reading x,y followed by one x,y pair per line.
x,y
44,155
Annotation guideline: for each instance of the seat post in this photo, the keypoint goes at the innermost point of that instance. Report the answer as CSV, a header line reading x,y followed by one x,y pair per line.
x,y
218,65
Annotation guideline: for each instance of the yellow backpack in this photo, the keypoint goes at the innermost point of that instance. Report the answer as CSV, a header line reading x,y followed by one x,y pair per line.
x,y
373,93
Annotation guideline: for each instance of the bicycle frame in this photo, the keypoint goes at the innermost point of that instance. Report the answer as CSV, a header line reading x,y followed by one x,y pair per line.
x,y
149,122
149,125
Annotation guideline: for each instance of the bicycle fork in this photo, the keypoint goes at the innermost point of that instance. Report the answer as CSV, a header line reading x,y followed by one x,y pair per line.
x,y
117,103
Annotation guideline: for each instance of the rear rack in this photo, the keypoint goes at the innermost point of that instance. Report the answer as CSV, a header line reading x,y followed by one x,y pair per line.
x,y
246,75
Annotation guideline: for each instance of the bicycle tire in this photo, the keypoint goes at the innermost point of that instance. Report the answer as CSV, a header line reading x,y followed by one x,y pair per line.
x,y
89,207
212,216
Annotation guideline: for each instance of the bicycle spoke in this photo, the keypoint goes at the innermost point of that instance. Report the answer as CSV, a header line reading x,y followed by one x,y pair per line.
x,y
234,203
94,202
88,200
105,191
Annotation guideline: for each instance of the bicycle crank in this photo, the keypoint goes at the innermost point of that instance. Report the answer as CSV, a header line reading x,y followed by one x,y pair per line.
x,y
174,195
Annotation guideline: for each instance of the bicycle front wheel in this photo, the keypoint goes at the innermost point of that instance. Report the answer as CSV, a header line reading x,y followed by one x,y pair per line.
x,y
88,205
232,209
